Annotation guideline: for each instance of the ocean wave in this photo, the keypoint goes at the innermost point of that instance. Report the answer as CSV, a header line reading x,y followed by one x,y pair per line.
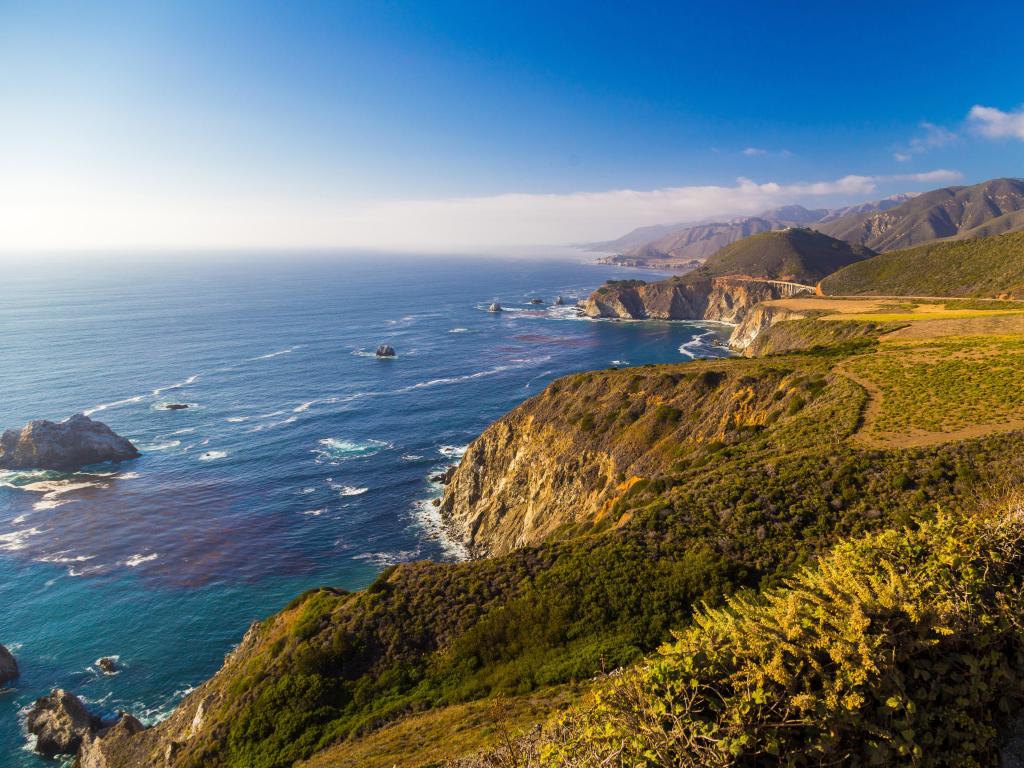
x,y
698,345
62,558
278,353
47,502
459,330
427,517
304,407
213,455
387,559
273,424
187,382
315,512
412,457
453,451
136,560
349,490
22,479
76,573
337,449
114,404
237,419
159,446
17,540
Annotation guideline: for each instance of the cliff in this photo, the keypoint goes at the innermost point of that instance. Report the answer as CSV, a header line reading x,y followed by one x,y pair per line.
x,y
724,299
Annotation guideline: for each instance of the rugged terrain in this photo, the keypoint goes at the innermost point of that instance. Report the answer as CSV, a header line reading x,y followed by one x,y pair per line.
x,y
822,538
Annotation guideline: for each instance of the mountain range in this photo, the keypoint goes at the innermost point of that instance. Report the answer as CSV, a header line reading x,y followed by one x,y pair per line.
x,y
697,241
900,221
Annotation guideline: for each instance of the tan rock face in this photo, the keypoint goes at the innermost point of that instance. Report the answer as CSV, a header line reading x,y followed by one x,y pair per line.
x,y
759,319
519,482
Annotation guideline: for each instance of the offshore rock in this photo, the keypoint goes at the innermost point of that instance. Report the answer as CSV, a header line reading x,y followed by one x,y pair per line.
x,y
495,307
68,445
60,723
8,666
385,350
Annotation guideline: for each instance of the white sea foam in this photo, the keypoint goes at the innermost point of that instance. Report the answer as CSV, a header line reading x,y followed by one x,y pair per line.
x,y
459,330
63,558
273,424
453,451
137,560
114,404
412,457
213,455
336,449
350,490
694,345
314,512
304,407
160,446
278,353
428,518
17,540
178,385
237,419
50,502
76,572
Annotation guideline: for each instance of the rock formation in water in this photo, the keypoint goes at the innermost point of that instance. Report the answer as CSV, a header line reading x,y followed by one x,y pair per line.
x,y
495,307
107,665
63,726
68,445
8,666
385,350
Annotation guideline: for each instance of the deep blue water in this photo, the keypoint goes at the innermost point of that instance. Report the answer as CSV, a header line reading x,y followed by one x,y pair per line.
x,y
302,460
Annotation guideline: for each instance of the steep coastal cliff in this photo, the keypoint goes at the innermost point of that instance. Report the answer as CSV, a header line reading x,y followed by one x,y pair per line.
x,y
724,299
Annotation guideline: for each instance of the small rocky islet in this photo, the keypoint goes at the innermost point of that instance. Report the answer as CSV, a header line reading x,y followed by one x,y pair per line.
x,y
8,666
65,446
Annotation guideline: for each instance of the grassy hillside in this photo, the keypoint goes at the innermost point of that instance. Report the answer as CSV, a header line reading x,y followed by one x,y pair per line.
x,y
988,207
901,648
749,473
797,255
982,267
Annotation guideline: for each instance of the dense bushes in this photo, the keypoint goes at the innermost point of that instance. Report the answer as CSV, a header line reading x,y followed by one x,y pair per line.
x,y
901,648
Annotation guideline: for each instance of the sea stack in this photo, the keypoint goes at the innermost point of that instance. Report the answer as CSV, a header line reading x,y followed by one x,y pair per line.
x,y
558,301
495,307
536,301
8,666
385,350
60,722
67,446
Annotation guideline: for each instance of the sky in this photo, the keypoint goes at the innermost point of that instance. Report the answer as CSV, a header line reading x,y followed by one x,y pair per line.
x,y
433,126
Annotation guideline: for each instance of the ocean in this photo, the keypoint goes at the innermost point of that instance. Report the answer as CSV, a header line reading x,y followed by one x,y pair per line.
x,y
301,459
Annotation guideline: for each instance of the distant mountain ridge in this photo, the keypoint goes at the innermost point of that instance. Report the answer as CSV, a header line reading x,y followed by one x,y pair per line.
x,y
989,208
682,242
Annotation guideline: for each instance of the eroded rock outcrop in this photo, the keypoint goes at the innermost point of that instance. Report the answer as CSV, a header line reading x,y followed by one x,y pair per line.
x,y
755,322
60,722
8,666
725,299
67,445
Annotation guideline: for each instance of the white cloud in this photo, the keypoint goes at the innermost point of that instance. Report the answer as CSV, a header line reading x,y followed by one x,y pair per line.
x,y
993,123
754,151
932,136
67,215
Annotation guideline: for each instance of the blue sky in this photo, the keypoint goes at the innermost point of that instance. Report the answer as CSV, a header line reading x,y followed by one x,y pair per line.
x,y
475,124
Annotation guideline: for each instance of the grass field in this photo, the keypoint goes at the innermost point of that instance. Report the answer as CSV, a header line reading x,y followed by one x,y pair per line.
x,y
931,390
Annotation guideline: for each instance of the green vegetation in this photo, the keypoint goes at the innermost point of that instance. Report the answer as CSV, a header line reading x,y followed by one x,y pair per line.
x,y
945,385
748,476
901,648
812,334
991,266
798,255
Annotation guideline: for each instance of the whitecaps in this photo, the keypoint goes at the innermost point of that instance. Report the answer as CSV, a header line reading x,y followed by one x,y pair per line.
x,y
349,490
187,382
337,449
213,455
459,330
114,404
137,560
17,540
278,353
453,451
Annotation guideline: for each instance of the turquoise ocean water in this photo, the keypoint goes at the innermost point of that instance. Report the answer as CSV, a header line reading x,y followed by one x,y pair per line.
x,y
301,460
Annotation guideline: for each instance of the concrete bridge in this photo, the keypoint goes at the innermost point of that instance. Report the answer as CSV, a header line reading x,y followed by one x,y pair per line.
x,y
788,289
